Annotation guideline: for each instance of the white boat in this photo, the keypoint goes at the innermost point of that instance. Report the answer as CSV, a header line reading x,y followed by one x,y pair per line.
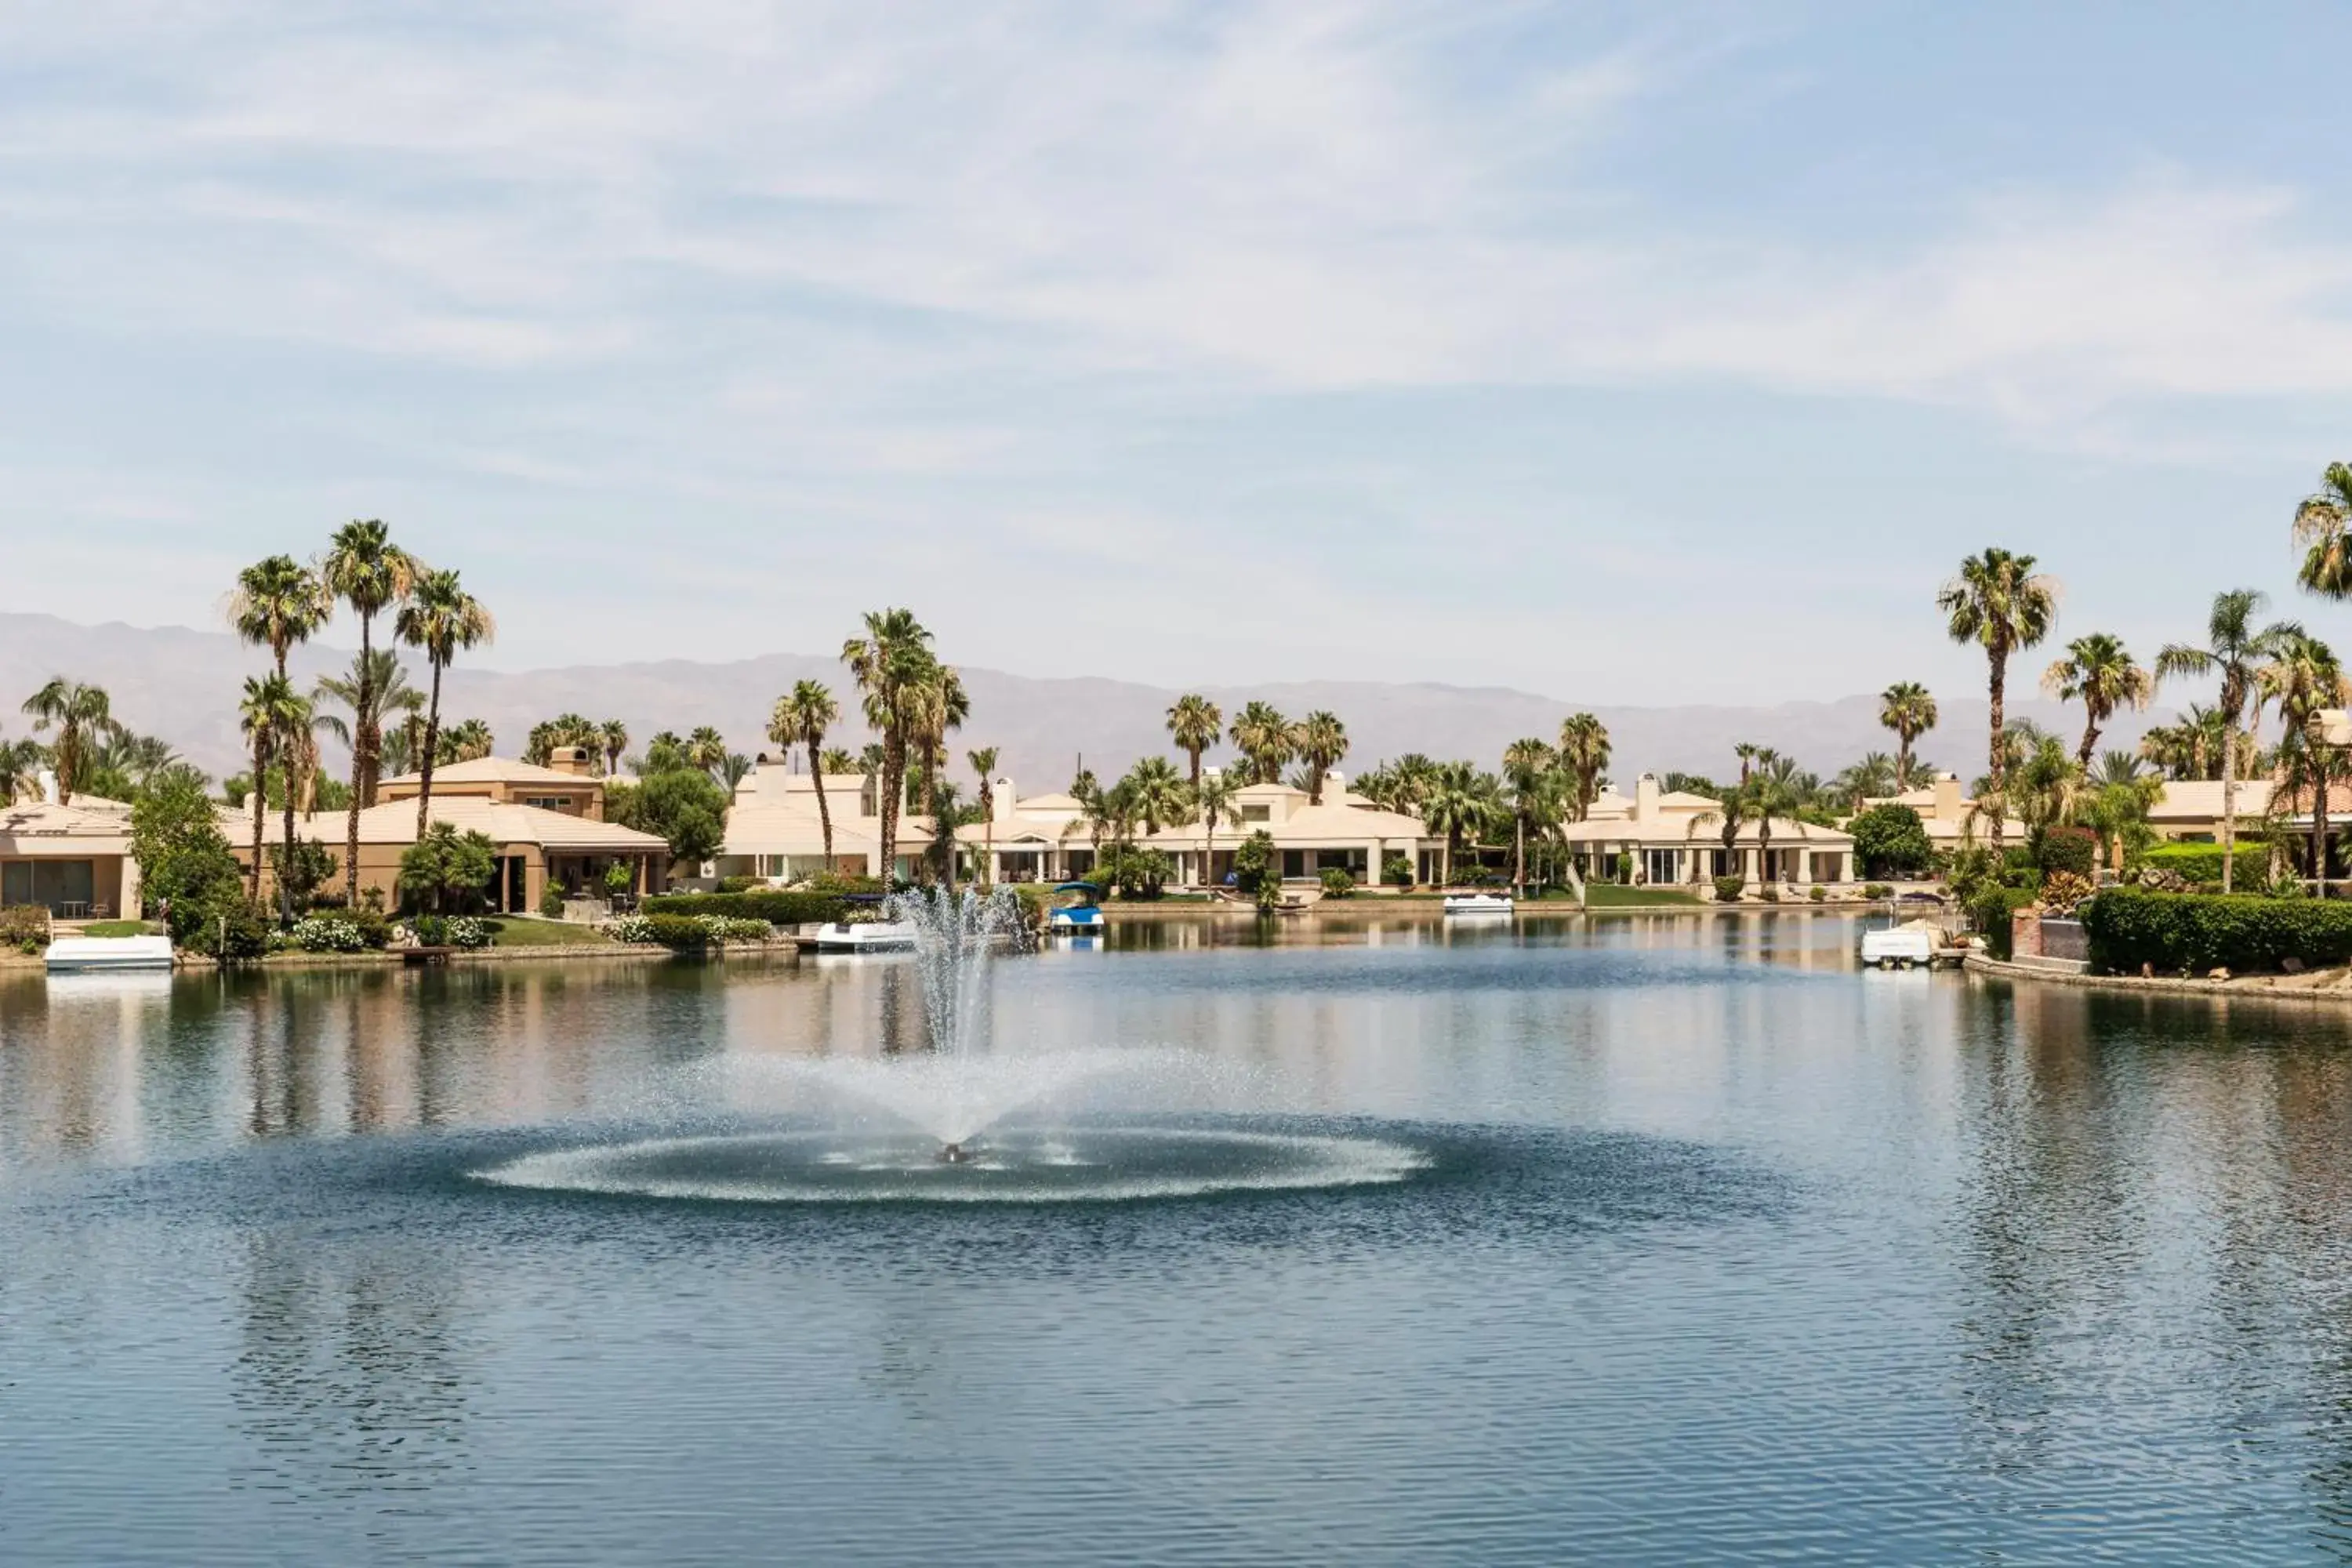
x,y
1077,908
1478,904
109,954
865,936
1899,948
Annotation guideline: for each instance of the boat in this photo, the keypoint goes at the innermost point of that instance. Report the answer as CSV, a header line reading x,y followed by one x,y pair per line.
x,y
865,936
109,954
1905,946
1077,910
1478,904
1288,901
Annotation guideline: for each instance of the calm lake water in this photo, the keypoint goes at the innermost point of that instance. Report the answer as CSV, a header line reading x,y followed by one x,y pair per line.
x,y
1712,1248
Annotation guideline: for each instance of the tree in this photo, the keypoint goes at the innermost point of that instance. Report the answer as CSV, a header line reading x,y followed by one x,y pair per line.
x,y
1999,603
1460,805
278,602
82,715
1216,797
1265,740
683,805
1876,774
1322,743
800,717
938,705
2121,795
1193,722
2323,525
186,864
891,658
2304,680
270,714
1155,795
302,872
2233,648
20,767
1891,841
1257,868
1908,709
835,760
439,618
466,741
983,766
612,742
1772,791
1531,777
2098,671
1584,752
363,569
445,866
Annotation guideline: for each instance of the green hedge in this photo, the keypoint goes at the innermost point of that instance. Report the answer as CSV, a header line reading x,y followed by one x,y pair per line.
x,y
2192,933
1990,911
776,909
2202,862
2075,849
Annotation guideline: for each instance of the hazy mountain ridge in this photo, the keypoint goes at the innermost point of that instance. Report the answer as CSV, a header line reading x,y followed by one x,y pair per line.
x,y
182,684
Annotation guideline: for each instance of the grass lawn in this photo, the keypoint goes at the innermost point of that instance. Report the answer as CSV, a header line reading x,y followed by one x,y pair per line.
x,y
525,930
1609,896
118,927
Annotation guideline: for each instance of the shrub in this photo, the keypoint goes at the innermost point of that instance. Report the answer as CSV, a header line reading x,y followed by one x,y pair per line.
x,y
775,908
1728,889
2194,863
304,872
726,884
2190,932
729,928
1256,862
339,930
1338,883
447,867
188,868
1397,871
551,902
2062,890
682,933
25,927
2073,849
685,805
1990,911
1891,841
1876,890
1771,894
620,881
833,882
1818,893
465,930
432,930
1135,872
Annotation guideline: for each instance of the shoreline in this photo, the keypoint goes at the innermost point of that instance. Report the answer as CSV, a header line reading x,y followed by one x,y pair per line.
x,y
2317,986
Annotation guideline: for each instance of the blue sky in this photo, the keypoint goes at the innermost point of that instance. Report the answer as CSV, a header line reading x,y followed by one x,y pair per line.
x,y
1630,353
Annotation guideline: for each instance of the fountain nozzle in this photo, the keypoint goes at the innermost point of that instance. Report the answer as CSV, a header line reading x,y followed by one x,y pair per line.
x,y
954,1154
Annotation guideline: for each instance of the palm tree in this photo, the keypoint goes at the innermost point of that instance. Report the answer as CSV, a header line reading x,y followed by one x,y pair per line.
x,y
20,767
1457,806
278,718
2305,678
983,765
1999,603
1217,796
278,602
2323,523
362,568
466,741
2098,669
1584,752
2234,649
705,749
1730,812
935,705
1772,790
1322,743
613,741
1530,774
1909,710
802,717
1876,775
1265,740
440,617
1158,797
836,760
257,721
1193,722
894,654
82,714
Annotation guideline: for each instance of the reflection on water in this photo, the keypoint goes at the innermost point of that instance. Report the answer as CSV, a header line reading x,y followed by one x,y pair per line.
x,y
1712,1247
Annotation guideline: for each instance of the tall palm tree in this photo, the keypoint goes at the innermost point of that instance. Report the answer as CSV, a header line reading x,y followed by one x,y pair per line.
x,y
279,717
1772,791
1216,797
1322,743
363,569
1193,722
2002,605
1909,710
836,760
440,617
20,767
1157,796
894,655
1875,776
613,742
468,740
800,717
1530,774
1457,806
257,721
2323,525
2099,671
278,602
983,765
2233,648
1584,752
2305,678
83,715
1265,740
705,749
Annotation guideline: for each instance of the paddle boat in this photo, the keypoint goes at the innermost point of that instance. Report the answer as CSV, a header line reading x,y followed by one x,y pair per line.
x,y
876,934
109,954
1077,910
1478,904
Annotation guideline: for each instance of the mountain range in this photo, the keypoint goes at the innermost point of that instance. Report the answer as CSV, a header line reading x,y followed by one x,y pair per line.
x,y
182,684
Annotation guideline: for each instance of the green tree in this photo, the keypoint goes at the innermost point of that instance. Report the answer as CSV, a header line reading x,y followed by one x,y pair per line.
x,y
1531,780
1257,868
611,743
278,602
1999,602
685,806
705,749
1875,776
440,618
300,875
188,869
937,705
2304,680
2323,526
1217,797
1584,752
889,663
1322,743
1265,739
363,569
1193,723
270,712
82,715
2098,671
1460,805
1891,841
464,740
20,767
446,868
802,717
983,766
2234,648
1156,795
1908,709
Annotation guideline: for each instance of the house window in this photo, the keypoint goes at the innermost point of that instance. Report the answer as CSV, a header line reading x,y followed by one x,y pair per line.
x,y
1260,812
1294,863
1663,866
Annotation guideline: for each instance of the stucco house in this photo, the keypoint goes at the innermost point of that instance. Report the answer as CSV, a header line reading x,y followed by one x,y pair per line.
x,y
1676,838
568,784
1951,816
774,829
73,860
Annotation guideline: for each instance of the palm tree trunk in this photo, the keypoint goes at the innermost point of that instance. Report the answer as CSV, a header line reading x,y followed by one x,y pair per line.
x,y
261,802
1195,751
294,754
2319,822
361,727
2090,743
432,744
941,834
894,780
824,811
2229,800
1998,753
1519,856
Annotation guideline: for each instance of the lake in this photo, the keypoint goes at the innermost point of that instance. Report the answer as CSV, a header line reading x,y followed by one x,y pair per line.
x,y
1693,1243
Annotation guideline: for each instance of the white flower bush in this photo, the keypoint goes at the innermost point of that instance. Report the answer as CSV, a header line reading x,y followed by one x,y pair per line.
x,y
631,928
731,928
312,934
466,932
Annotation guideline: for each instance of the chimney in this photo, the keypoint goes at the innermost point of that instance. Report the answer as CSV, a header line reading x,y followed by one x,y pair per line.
x,y
1645,797
570,760
1334,783
48,786
1949,808
1003,790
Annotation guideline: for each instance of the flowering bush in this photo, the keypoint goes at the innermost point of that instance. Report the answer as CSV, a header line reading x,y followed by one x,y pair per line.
x,y
466,932
316,933
728,928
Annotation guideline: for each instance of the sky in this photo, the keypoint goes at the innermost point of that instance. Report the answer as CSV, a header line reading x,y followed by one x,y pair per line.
x,y
1640,353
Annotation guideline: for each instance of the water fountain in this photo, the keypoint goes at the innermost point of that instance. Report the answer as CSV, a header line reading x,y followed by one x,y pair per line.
x,y
965,1120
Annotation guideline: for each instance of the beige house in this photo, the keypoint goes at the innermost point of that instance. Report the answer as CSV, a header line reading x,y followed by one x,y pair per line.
x,y
72,860
568,784
774,829
1951,816
1675,838
1048,839
2189,811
